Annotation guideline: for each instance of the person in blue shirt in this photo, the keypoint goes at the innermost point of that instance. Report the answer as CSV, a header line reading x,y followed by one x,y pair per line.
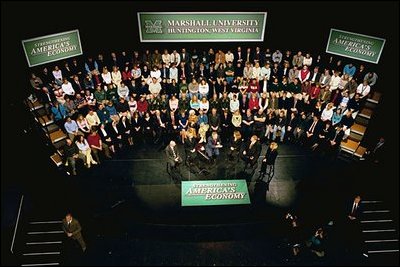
x,y
202,118
103,114
112,111
337,116
349,69
59,114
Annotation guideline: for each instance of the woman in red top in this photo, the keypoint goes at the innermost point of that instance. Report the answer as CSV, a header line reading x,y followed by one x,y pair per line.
x,y
253,88
253,102
142,106
127,76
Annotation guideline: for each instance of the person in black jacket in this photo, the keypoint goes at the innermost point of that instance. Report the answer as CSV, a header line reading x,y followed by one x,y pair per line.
x,y
251,152
235,145
137,129
71,152
106,137
190,147
268,163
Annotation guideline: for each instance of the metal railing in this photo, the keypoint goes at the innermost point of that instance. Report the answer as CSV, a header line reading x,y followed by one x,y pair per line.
x,y
16,224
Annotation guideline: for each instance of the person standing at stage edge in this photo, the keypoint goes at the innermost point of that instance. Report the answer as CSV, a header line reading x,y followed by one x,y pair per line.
x,y
72,228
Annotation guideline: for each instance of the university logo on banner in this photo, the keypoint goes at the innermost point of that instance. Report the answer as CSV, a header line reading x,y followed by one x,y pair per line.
x,y
153,26
201,26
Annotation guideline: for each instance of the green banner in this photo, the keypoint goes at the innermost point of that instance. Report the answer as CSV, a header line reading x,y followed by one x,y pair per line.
x,y
51,48
354,45
210,193
202,26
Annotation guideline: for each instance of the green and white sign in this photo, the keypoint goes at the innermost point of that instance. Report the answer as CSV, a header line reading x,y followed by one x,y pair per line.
x,y
210,193
354,45
202,26
51,48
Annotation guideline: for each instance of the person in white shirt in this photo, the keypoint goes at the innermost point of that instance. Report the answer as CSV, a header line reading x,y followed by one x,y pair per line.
x,y
307,60
136,72
277,56
257,72
266,71
335,81
57,75
363,89
116,76
106,75
67,87
175,57
92,118
327,113
234,104
166,58
173,103
84,149
203,88
204,104
156,73
123,91
173,72
154,87
229,57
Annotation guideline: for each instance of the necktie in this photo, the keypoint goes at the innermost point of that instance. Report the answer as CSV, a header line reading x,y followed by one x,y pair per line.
x,y
354,208
173,152
312,127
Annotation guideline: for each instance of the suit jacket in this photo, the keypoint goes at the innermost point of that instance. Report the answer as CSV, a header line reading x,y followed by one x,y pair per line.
x,y
74,228
242,57
210,143
170,154
166,74
356,212
317,78
254,151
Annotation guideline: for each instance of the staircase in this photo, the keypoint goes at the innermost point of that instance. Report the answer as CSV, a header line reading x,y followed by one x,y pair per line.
x,y
43,243
55,136
380,233
352,149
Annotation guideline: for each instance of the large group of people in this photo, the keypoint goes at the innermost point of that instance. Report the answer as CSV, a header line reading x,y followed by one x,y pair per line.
x,y
107,103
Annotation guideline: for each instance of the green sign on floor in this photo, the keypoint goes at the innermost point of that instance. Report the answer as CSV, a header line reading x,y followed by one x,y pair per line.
x,y
202,26
51,48
217,192
354,45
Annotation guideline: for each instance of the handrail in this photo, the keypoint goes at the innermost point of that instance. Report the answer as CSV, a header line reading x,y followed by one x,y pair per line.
x,y
16,224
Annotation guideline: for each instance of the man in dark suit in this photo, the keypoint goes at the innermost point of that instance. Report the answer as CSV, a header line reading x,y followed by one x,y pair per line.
x,y
185,56
315,76
173,157
239,56
72,228
312,130
251,152
213,145
164,71
355,210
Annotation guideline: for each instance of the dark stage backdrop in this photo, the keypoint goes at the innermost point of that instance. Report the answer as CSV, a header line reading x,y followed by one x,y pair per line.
x,y
112,26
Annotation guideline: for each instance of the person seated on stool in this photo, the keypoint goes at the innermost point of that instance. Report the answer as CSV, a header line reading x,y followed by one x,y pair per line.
x,y
213,145
268,162
235,145
173,157
190,147
251,152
